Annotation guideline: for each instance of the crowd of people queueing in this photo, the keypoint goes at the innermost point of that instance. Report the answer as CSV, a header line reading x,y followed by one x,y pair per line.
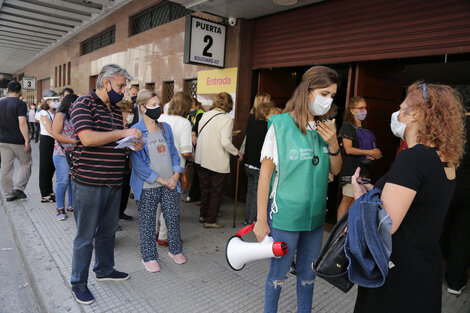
x,y
290,157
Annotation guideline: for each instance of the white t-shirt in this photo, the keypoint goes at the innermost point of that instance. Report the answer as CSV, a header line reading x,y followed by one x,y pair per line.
x,y
181,129
32,115
50,116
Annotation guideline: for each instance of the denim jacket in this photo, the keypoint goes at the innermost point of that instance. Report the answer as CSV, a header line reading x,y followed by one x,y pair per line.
x,y
369,241
141,170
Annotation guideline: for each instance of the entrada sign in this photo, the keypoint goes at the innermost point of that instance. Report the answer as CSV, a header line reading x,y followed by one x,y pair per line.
x,y
204,42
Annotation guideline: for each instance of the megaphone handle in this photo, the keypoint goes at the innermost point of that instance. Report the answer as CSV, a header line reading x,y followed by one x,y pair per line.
x,y
245,230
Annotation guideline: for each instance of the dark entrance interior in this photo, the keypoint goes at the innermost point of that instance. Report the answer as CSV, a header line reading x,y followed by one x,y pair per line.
x,y
382,83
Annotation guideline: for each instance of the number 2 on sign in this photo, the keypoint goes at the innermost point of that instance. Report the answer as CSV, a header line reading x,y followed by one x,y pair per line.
x,y
209,41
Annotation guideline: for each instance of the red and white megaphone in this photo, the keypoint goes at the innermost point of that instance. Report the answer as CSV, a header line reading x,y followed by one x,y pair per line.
x,y
239,252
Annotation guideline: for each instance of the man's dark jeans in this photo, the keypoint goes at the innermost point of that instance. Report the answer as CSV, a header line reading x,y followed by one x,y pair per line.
x,y
96,212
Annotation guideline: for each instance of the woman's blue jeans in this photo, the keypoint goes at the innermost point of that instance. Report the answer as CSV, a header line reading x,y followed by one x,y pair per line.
x,y
64,183
307,245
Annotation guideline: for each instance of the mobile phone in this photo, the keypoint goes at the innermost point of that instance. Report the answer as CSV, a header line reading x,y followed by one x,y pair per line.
x,y
361,180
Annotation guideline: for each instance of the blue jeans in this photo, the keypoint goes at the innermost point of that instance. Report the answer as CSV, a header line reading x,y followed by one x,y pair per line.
x,y
63,184
307,245
96,215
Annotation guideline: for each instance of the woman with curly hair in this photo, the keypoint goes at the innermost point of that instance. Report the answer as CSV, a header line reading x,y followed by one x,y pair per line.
x,y
416,193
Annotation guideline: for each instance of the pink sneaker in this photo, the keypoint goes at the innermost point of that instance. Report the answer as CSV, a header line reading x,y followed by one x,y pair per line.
x,y
151,266
178,258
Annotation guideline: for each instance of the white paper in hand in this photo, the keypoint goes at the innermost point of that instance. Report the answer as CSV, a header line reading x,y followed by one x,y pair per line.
x,y
126,142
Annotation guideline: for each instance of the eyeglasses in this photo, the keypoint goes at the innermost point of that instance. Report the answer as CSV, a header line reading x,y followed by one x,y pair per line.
x,y
361,108
425,91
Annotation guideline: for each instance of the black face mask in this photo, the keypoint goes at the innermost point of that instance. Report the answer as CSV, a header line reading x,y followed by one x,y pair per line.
x,y
133,98
154,113
193,113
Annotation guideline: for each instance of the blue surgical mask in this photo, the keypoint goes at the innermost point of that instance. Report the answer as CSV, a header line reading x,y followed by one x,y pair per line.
x,y
113,96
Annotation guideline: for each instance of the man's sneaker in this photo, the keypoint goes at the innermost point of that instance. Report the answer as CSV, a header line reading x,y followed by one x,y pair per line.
x,y
61,215
19,193
115,276
82,294
455,292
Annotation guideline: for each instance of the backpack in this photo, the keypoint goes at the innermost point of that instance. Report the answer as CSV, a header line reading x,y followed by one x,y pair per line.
x,y
366,140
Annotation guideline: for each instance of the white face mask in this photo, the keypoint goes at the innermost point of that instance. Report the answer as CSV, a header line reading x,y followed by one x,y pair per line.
x,y
130,118
33,107
397,127
320,106
54,104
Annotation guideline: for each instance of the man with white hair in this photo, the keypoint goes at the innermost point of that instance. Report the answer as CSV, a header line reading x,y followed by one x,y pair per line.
x,y
97,174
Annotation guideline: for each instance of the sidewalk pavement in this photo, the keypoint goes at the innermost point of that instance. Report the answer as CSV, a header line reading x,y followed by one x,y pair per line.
x,y
204,284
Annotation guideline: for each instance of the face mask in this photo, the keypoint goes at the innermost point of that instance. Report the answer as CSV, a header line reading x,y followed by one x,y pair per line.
x,y
154,113
113,96
130,118
361,115
193,113
134,98
320,106
33,107
397,127
54,104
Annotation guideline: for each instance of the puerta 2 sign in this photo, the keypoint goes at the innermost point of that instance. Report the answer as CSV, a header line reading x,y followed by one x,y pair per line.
x,y
204,42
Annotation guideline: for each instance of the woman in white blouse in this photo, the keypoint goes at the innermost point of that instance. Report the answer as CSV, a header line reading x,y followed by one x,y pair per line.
x,y
46,145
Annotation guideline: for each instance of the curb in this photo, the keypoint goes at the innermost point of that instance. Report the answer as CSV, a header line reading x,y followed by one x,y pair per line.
x,y
51,289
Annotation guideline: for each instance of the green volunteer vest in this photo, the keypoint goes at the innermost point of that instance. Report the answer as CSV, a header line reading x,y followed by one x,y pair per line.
x,y
199,111
299,202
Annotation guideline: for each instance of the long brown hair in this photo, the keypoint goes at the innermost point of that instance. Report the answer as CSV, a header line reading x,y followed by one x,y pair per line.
x,y
261,97
441,119
316,77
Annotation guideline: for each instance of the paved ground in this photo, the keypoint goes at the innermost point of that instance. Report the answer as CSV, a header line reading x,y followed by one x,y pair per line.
x,y
204,284
16,294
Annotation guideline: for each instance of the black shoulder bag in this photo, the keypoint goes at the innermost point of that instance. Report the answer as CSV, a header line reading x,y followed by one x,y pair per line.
x,y
332,263
68,154
207,123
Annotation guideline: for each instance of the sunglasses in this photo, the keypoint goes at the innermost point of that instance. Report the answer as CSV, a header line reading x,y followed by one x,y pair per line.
x,y
425,91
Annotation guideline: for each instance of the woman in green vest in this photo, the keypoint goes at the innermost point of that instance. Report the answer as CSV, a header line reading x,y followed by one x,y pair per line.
x,y
298,153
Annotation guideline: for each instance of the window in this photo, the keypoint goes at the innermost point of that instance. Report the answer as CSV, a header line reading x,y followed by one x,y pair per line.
x,y
159,14
168,91
69,67
150,86
64,82
190,87
60,76
103,39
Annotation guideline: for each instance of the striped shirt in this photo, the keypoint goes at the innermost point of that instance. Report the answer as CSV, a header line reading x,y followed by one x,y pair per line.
x,y
102,165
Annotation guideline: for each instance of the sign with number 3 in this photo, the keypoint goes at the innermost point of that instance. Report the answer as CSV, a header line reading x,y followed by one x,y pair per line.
x,y
29,83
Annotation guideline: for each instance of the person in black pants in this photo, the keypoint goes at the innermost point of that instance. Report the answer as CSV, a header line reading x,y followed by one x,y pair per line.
x,y
46,146
457,231
128,116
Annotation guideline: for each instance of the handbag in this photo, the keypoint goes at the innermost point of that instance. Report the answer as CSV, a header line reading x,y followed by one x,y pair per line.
x,y
68,154
332,263
184,180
